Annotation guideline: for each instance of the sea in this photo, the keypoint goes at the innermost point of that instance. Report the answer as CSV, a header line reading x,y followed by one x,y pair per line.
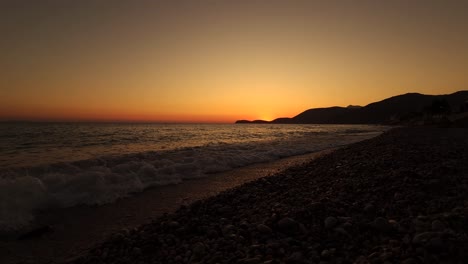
x,y
56,165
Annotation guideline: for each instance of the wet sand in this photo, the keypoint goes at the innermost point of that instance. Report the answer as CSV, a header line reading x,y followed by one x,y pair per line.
x,y
76,229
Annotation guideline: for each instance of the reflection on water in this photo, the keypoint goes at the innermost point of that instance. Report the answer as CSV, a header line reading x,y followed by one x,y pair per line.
x,y
27,144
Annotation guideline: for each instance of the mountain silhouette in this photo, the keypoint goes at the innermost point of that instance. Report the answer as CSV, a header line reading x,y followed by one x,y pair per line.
x,y
391,110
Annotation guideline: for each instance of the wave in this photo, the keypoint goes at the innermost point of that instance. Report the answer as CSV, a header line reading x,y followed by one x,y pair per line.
x,y
24,192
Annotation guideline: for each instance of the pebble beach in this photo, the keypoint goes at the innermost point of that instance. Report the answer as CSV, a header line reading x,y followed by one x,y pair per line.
x,y
398,198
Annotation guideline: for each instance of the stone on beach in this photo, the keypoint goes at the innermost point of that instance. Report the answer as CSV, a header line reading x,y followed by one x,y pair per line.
x,y
330,222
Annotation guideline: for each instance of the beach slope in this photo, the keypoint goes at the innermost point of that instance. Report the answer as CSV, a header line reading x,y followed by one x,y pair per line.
x,y
398,198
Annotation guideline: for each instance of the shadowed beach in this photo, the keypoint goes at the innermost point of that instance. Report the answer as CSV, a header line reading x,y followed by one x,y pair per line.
x,y
397,198
75,230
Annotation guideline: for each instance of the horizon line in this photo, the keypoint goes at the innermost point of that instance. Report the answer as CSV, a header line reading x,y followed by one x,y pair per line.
x,y
111,121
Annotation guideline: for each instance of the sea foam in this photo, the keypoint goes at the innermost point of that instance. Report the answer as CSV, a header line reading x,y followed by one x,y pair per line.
x,y
26,191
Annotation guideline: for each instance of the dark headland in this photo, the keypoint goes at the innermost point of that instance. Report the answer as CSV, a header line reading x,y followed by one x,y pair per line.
x,y
408,108
398,198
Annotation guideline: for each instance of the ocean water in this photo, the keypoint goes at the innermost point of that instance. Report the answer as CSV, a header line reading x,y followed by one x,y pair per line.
x,y
56,165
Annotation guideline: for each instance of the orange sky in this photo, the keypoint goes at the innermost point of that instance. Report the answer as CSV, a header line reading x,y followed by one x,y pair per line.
x,y
218,61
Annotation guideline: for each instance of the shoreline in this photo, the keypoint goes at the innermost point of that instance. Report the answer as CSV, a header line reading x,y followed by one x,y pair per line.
x,y
396,198
75,230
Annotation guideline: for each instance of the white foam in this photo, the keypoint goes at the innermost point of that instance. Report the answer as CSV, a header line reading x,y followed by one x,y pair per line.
x,y
104,180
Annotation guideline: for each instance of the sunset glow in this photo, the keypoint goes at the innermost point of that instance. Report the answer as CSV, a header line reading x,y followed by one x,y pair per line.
x,y
219,61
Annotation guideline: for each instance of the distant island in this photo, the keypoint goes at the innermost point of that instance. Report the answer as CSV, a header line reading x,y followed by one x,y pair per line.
x,y
400,109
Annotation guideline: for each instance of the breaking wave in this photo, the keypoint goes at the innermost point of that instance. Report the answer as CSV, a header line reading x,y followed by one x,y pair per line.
x,y
25,191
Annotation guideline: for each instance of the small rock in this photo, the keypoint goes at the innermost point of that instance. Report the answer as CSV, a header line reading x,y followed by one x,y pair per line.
x,y
330,222
397,196
303,229
198,249
347,225
419,225
385,256
409,261
325,253
437,225
374,255
136,251
406,239
250,260
244,225
381,224
244,197
281,251
35,233
228,230
369,208
394,242
173,224
345,219
105,253
424,237
212,233
296,256
361,260
224,210
435,243
287,224
264,229
118,236
342,232
273,245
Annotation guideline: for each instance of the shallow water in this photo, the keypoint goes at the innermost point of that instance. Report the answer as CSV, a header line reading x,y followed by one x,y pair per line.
x,y
27,144
64,164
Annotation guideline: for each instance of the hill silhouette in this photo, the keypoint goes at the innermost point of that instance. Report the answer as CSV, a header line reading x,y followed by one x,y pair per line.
x,y
392,110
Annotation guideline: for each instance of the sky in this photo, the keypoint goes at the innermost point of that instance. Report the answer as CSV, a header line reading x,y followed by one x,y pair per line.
x,y
219,61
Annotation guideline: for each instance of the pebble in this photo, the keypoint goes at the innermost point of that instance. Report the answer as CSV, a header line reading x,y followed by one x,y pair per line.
x,y
424,237
325,253
254,260
381,224
224,209
287,224
347,225
198,249
409,261
435,243
437,225
212,233
397,196
330,222
296,256
369,208
136,251
419,225
264,229
342,232
173,224
244,197
228,230
361,260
